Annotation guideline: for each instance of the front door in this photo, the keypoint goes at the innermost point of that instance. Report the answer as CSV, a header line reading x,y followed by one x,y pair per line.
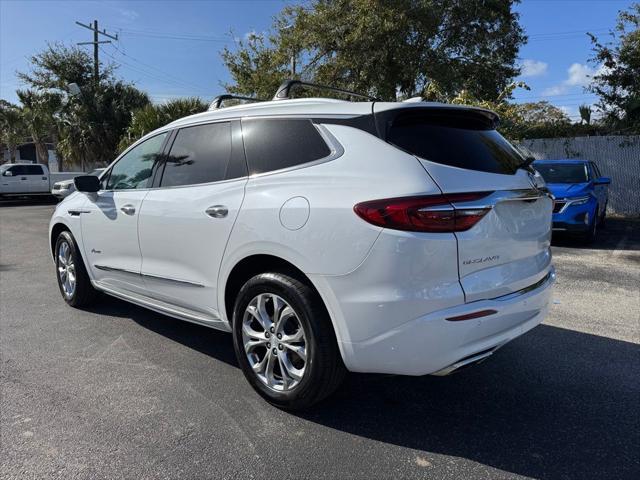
x,y
110,218
14,180
186,222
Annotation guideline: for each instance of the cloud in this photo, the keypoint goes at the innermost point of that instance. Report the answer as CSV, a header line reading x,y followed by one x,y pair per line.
x,y
128,14
533,68
555,90
578,75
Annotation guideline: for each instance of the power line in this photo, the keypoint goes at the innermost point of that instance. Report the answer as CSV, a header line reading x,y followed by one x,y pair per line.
x,y
145,72
178,79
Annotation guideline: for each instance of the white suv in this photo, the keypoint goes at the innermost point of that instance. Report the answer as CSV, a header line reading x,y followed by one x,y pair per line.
x,y
327,235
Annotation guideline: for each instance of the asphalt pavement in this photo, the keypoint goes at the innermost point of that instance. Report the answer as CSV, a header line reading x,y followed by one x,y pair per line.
x,y
117,391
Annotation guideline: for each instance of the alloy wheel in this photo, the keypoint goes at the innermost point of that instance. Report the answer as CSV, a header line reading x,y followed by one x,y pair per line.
x,y
66,269
274,342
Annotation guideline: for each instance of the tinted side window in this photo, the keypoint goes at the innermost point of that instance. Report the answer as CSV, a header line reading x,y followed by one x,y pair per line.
x,y
17,170
134,169
199,154
272,144
457,140
33,170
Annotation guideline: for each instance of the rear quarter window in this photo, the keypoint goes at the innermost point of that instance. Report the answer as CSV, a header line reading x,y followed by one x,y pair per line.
x,y
456,139
273,144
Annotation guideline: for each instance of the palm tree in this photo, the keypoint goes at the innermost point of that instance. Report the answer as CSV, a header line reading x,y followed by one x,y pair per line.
x,y
12,128
38,110
585,113
152,116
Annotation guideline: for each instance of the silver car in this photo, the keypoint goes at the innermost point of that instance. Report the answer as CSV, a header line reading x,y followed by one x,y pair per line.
x,y
65,188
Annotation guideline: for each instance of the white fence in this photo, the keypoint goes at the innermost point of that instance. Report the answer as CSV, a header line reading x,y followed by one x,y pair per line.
x,y
617,157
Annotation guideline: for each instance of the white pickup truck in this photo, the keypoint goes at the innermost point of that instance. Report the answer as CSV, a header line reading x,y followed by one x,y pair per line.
x,y
25,179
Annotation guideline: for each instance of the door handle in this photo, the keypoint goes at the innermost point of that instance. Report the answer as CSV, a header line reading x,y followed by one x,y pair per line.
x,y
23,178
217,211
128,209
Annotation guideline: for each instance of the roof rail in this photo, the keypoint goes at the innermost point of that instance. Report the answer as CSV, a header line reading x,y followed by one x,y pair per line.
x,y
217,102
286,86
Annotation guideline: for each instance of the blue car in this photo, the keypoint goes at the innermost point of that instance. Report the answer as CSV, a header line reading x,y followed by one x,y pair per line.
x,y
581,194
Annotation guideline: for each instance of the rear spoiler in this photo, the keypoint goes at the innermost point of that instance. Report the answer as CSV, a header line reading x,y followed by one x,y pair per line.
x,y
389,113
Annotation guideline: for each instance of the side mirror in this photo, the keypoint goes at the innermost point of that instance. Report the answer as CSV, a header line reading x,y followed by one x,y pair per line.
x,y
8,173
602,181
87,183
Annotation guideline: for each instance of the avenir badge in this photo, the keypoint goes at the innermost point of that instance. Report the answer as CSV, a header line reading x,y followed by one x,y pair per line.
x,y
493,258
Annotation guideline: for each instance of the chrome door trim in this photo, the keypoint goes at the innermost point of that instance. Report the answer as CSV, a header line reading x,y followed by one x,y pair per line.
x,y
174,280
106,268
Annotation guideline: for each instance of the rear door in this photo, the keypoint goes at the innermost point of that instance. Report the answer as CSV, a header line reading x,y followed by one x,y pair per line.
x,y
508,249
37,179
185,222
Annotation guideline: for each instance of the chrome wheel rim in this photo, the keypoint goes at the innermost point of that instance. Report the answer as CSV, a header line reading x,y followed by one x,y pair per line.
x,y
66,270
274,342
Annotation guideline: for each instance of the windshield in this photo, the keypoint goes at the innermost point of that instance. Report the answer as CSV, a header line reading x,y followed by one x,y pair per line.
x,y
563,172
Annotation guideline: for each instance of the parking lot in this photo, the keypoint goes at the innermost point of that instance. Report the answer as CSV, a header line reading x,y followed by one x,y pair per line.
x,y
121,392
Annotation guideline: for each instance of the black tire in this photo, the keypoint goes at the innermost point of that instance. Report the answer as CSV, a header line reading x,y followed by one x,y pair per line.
x,y
324,369
590,235
83,294
603,218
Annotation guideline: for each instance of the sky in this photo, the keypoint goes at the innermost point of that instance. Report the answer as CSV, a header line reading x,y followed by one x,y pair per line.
x,y
172,48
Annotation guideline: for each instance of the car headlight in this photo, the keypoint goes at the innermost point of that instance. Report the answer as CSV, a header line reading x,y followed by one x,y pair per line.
x,y
578,200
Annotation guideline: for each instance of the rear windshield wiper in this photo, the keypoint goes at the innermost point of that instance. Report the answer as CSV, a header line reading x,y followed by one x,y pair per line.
x,y
526,165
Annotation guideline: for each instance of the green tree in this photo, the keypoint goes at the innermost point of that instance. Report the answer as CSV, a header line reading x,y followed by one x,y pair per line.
x,y
618,80
151,117
389,49
88,126
12,128
585,114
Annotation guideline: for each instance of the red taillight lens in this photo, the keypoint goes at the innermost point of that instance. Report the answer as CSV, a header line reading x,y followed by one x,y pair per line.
x,y
423,214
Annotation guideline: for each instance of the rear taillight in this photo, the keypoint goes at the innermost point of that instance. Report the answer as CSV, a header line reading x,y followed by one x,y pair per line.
x,y
423,214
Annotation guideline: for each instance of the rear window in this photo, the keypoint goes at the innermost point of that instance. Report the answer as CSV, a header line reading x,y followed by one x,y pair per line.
x,y
33,170
457,140
273,144
562,172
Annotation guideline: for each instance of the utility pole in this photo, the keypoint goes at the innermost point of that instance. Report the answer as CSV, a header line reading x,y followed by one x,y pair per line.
x,y
96,42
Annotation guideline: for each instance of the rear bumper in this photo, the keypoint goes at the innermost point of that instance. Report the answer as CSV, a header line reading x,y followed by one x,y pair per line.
x,y
431,344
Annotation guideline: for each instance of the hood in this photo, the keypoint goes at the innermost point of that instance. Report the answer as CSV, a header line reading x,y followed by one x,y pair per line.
x,y
562,190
